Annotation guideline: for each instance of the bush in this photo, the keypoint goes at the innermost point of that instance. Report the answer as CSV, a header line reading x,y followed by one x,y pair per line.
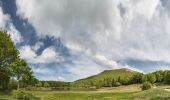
x,y
117,84
12,84
20,94
146,86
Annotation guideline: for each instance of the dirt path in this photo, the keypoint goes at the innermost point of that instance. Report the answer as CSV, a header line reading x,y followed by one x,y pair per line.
x,y
167,90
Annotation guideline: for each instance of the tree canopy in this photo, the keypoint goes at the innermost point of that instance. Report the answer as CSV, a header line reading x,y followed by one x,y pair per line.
x,y
11,65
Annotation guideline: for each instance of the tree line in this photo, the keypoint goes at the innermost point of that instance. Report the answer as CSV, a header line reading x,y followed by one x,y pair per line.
x,y
138,78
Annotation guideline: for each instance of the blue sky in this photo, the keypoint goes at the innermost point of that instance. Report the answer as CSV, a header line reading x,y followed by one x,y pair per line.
x,y
66,40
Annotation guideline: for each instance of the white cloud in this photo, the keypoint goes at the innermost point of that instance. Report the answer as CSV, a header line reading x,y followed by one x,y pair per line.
x,y
6,24
97,30
37,46
55,78
48,55
27,53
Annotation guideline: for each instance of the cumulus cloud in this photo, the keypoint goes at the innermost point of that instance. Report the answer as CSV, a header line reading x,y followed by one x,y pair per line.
x,y
6,24
104,31
54,78
48,55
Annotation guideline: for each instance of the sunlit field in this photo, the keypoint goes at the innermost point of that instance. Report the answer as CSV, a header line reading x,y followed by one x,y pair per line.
x,y
131,92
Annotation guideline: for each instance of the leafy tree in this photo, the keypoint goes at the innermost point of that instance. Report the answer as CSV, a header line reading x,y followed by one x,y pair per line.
x,y
151,78
144,78
159,76
125,81
27,77
137,78
167,77
21,71
46,84
8,54
39,84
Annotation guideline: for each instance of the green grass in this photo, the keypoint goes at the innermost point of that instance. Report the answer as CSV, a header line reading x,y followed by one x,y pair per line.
x,y
80,95
131,92
153,94
6,96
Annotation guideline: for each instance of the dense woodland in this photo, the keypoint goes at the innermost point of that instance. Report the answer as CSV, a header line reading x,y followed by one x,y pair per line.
x,y
15,73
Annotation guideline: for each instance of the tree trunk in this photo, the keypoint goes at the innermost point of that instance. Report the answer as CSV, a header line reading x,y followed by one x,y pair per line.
x,y
18,85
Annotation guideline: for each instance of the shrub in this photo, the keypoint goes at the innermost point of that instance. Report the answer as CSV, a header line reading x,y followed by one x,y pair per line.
x,y
20,94
117,84
146,86
12,84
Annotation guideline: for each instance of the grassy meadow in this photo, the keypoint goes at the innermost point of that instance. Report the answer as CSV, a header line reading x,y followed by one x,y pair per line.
x,y
131,92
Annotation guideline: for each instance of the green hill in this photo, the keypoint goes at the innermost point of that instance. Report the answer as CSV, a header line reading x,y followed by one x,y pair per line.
x,y
116,74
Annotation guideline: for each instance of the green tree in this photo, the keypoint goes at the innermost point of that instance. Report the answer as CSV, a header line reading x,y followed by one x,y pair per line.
x,y
21,71
159,76
125,81
167,77
46,84
8,54
137,78
151,78
39,84
144,78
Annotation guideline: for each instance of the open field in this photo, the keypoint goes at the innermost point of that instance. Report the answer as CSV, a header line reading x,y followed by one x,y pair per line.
x,y
131,92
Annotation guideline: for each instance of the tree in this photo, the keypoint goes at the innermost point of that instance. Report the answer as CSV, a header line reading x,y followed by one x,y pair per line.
x,y
21,71
8,54
46,84
125,81
167,77
159,76
39,84
27,77
137,78
151,78
144,78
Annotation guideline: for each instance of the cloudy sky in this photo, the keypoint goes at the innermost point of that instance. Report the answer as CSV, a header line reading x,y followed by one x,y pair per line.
x,y
66,40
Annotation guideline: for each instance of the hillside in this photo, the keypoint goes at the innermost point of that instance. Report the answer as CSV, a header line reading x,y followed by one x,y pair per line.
x,y
107,74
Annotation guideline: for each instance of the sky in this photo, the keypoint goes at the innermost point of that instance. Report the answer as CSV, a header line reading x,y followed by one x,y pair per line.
x,y
66,40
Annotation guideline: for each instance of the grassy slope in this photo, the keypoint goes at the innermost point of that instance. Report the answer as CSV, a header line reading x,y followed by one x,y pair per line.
x,y
108,74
